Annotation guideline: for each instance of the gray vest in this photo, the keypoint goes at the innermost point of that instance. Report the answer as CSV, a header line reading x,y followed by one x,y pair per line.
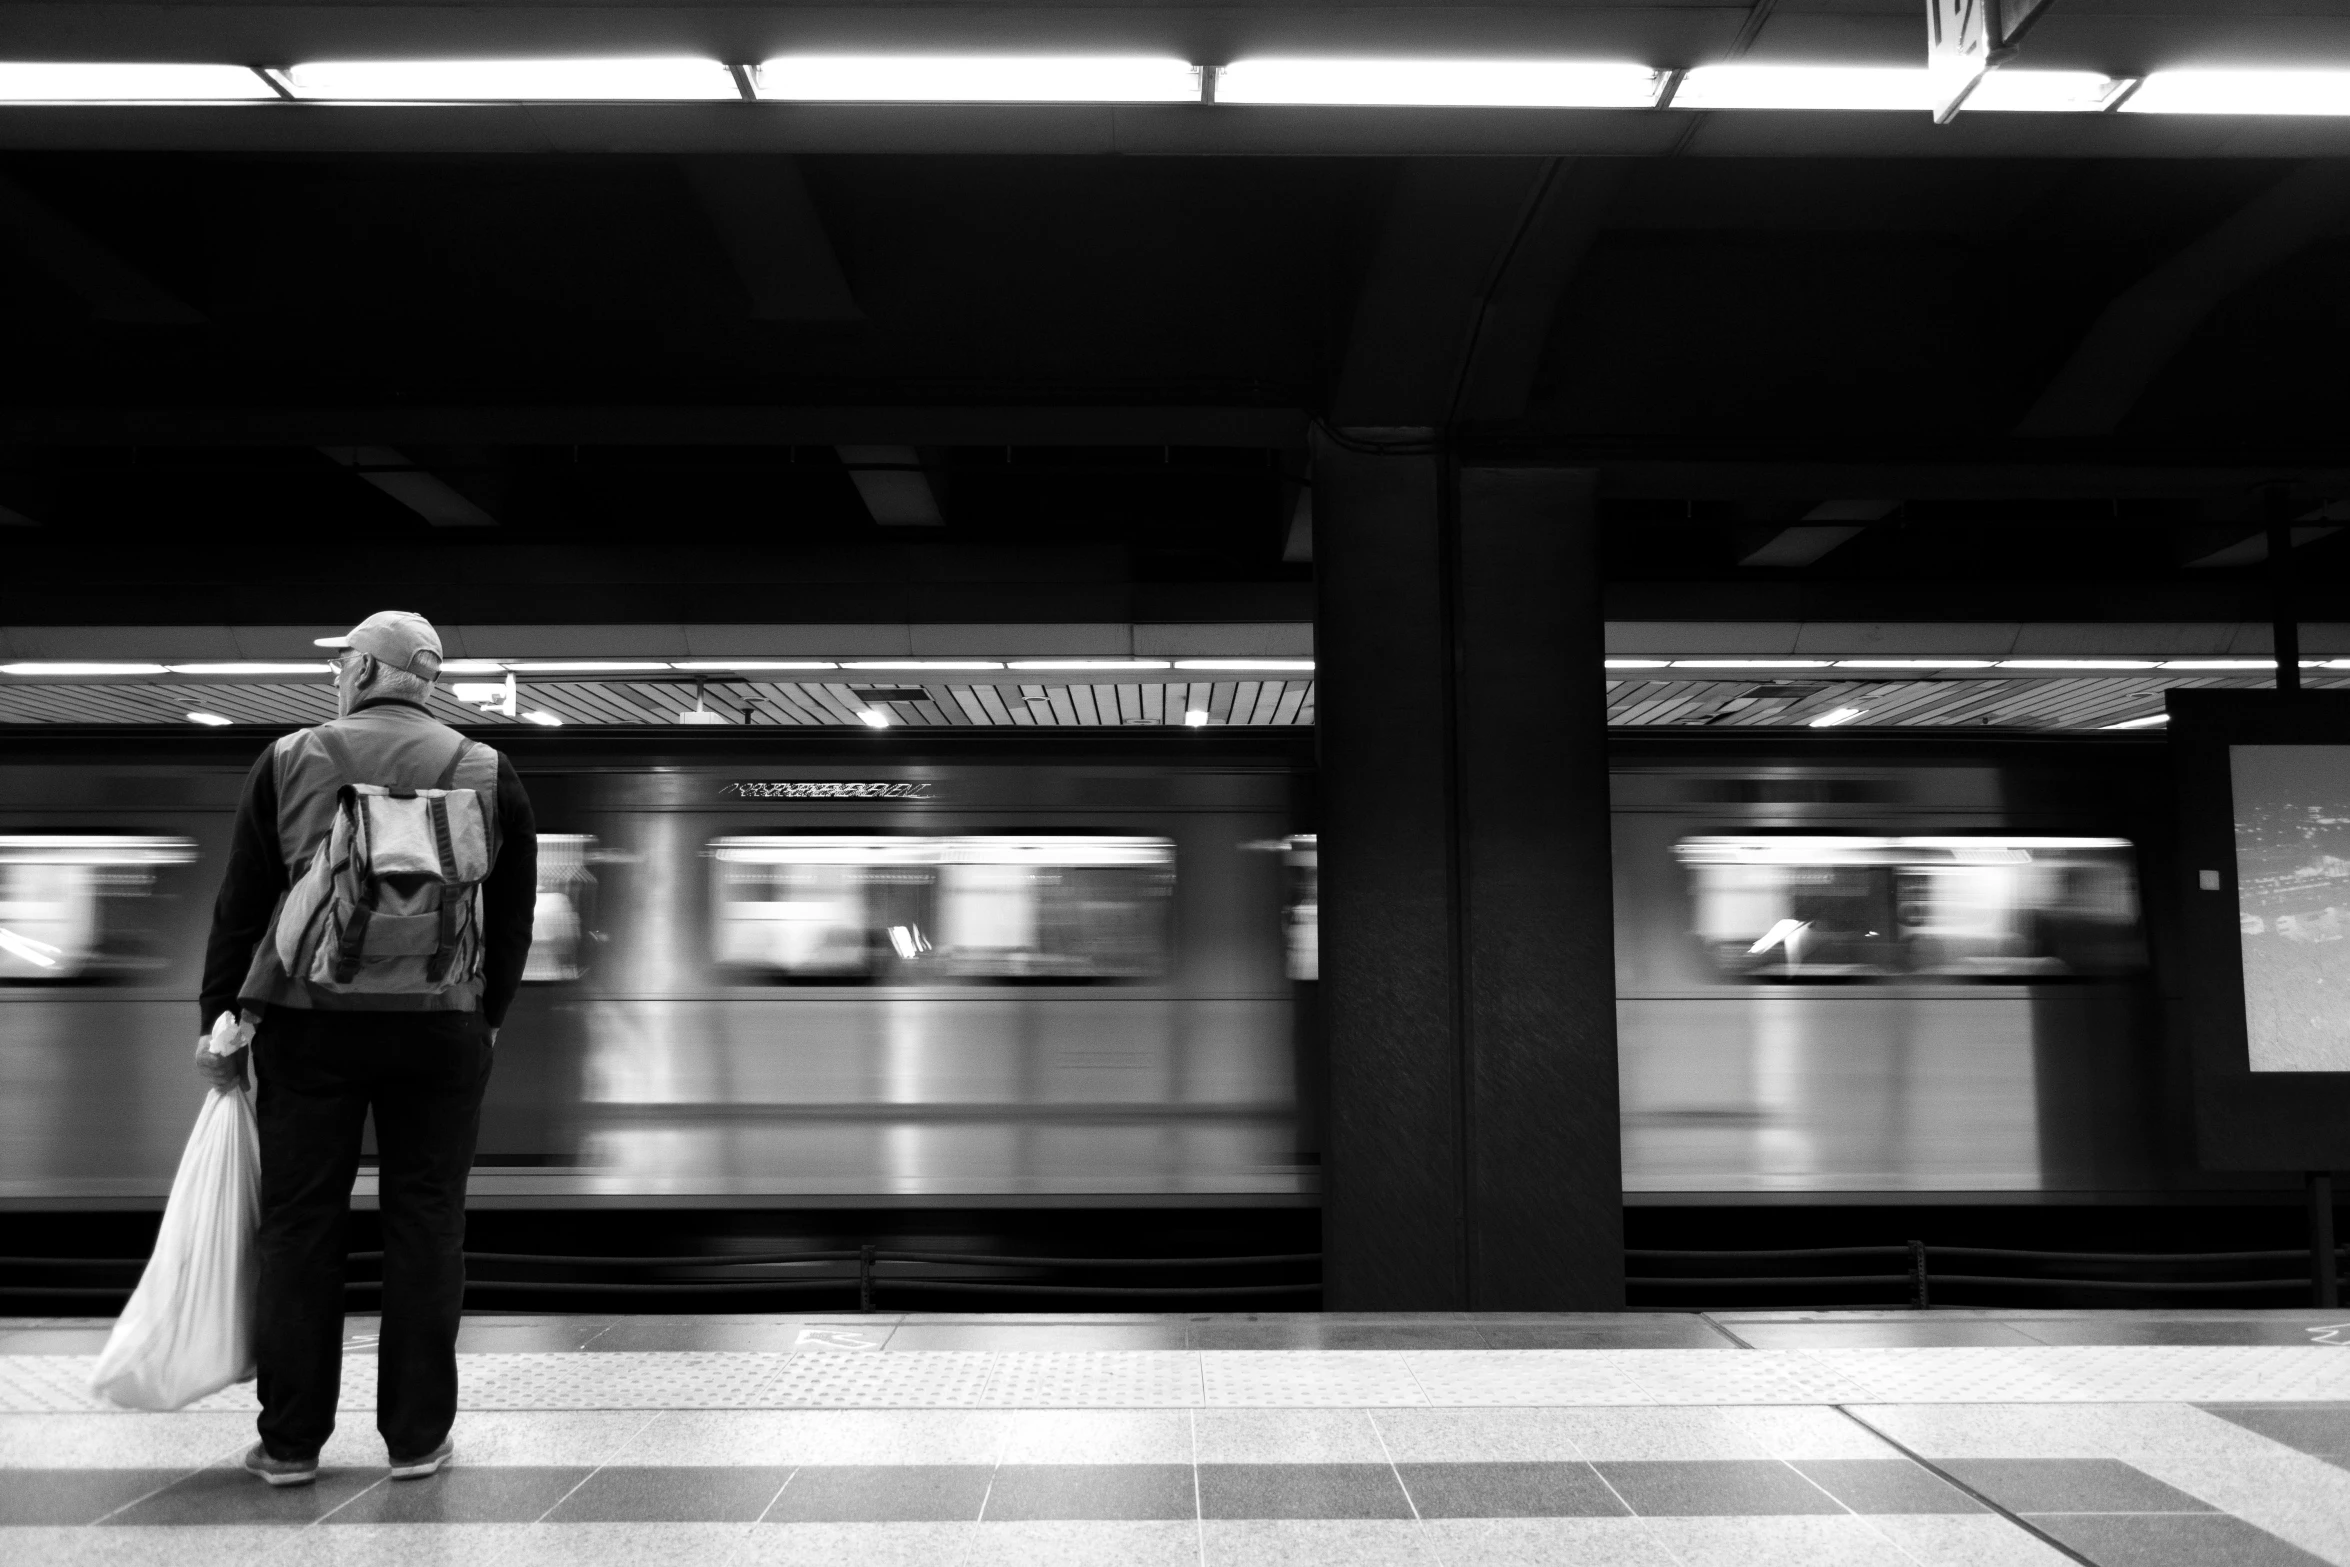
x,y
392,744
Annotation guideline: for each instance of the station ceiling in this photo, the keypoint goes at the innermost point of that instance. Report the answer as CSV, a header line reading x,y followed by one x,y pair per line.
x,y
758,362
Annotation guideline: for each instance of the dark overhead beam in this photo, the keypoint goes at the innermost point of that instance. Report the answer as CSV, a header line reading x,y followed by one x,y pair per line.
x,y
774,237
418,488
112,288
1448,228
658,426
891,483
1513,329
1649,479
2148,323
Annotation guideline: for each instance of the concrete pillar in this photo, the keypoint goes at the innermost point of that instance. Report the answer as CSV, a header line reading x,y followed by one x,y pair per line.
x,y
1468,982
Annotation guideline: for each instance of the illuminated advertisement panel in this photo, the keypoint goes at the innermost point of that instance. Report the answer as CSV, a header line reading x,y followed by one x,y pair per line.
x,y
2292,811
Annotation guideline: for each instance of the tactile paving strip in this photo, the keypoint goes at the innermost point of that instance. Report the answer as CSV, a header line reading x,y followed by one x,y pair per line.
x,y
1344,1379
1098,1379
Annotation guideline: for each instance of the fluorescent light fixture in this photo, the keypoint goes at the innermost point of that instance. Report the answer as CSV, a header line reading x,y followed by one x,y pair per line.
x,y
1750,663
2242,92
1913,663
2140,723
54,668
2221,663
1303,666
60,81
587,666
508,81
978,78
2077,663
1101,664
1805,87
484,692
542,717
2045,92
1196,718
1532,84
1841,715
251,669
873,718
209,720
922,663
761,663
472,666
1639,663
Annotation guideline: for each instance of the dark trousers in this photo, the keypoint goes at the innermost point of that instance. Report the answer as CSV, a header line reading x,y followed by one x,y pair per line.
x,y
321,1072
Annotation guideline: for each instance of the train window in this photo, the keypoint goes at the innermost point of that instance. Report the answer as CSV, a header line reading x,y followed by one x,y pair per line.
x,y
1302,920
903,909
832,908
1054,907
563,918
71,904
1790,906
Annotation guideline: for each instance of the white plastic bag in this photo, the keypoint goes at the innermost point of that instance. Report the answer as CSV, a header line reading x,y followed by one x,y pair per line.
x,y
188,1330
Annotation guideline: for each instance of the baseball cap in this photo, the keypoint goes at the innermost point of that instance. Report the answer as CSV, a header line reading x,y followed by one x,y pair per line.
x,y
398,638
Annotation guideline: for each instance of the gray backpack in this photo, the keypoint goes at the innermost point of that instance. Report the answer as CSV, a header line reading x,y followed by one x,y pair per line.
x,y
390,903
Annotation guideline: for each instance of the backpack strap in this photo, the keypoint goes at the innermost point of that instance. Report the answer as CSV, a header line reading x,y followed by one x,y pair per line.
x,y
437,965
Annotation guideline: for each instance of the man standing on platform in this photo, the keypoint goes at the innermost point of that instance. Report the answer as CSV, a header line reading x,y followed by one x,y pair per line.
x,y
374,922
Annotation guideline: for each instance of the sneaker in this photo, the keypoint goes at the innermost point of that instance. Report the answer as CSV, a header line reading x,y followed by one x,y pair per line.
x,y
429,1464
280,1471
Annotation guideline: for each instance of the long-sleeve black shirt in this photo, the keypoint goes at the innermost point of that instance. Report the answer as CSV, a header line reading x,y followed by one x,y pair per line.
x,y
257,877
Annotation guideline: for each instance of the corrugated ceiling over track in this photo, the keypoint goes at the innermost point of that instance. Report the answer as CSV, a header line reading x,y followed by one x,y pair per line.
x,y
2061,703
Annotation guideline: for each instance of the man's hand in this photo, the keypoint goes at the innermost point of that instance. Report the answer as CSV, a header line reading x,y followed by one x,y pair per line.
x,y
219,1071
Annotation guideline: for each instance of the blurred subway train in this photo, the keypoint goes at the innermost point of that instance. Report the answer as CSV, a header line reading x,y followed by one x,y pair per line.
x,y
887,970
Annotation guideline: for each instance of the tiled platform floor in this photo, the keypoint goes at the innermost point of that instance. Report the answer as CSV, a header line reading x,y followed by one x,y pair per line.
x,y
1943,1439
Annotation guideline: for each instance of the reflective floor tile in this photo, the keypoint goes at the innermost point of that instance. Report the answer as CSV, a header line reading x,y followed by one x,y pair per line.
x,y
1924,1333
1546,1542
511,1494
1797,1431
1287,1436
1100,1436
861,1545
1840,1541
2126,1329
527,1335
1039,1337
1098,1543
1967,1540
1143,1491
121,1441
1660,1332
1630,1433
2174,1540
63,1496
791,1437
682,1337
1715,1487
1317,1543
1506,1490
225,1495
2312,1428
1886,1485
882,1493
1337,1336
2072,1485
493,1438
224,1546
1437,1436
54,1341
700,1494
1300,1491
